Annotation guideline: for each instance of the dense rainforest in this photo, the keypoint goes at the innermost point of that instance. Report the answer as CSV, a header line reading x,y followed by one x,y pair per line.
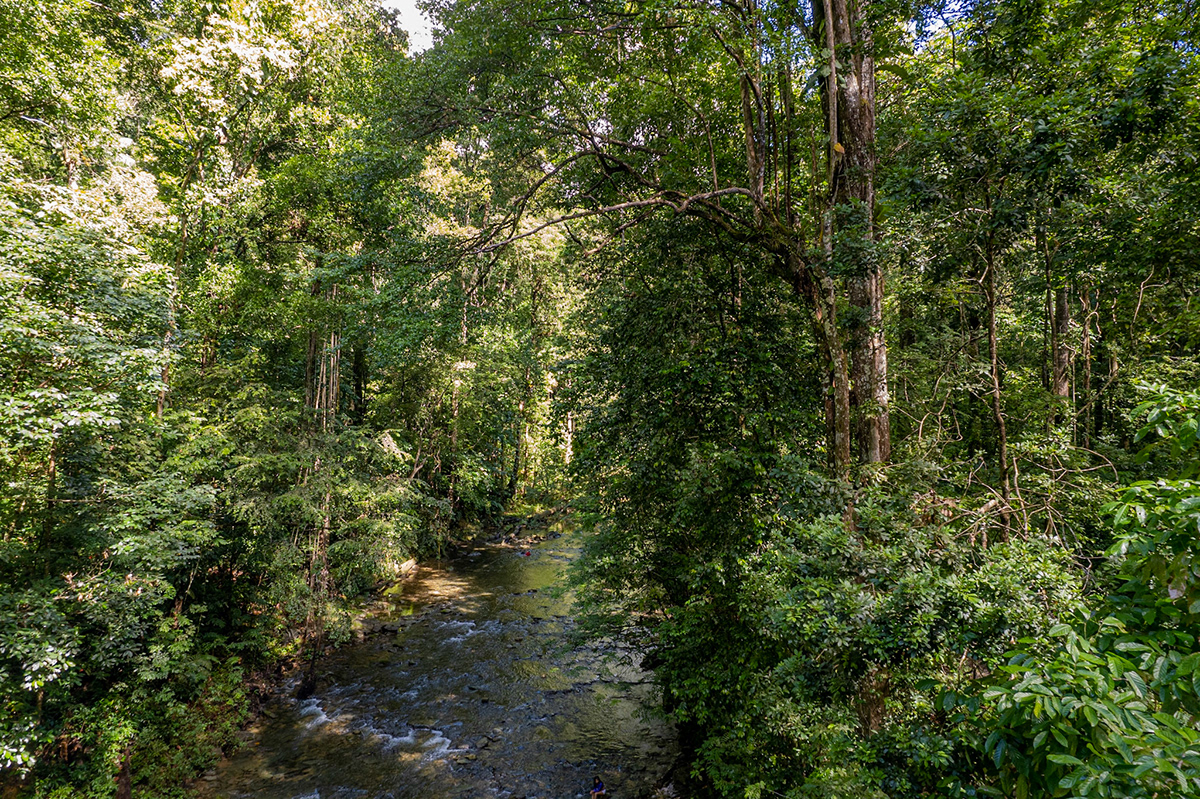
x,y
861,338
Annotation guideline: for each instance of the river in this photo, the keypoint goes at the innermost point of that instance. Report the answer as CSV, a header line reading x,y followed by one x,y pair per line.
x,y
465,689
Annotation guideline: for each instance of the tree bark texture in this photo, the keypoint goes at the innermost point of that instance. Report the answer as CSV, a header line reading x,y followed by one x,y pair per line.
x,y
854,197
850,126
818,287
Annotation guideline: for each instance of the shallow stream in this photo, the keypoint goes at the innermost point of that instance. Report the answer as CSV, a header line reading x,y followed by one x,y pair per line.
x,y
464,688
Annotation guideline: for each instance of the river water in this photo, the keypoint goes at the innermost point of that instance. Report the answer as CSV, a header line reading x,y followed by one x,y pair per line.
x,y
464,688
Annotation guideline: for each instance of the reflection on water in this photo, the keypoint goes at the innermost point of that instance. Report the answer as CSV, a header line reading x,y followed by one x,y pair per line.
x,y
466,692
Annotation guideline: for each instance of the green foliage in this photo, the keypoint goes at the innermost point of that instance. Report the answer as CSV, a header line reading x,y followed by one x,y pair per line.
x,y
1109,709
1156,522
281,307
1108,715
58,93
38,647
165,737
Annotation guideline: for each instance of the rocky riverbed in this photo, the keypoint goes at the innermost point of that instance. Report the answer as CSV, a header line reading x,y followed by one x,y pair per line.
x,y
462,685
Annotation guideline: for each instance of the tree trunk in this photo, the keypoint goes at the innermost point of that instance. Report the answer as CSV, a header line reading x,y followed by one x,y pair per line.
x,y
1059,311
1113,368
318,584
989,288
165,375
329,380
1060,384
168,335
1087,411
48,520
124,779
310,358
1044,368
569,438
839,391
517,447
310,369
869,349
359,401
754,117
850,125
323,370
451,495
816,285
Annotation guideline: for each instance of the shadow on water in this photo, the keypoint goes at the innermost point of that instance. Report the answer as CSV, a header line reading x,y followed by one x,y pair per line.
x,y
467,691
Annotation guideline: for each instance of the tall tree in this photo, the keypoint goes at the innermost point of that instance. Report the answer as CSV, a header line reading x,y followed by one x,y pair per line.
x,y
705,110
